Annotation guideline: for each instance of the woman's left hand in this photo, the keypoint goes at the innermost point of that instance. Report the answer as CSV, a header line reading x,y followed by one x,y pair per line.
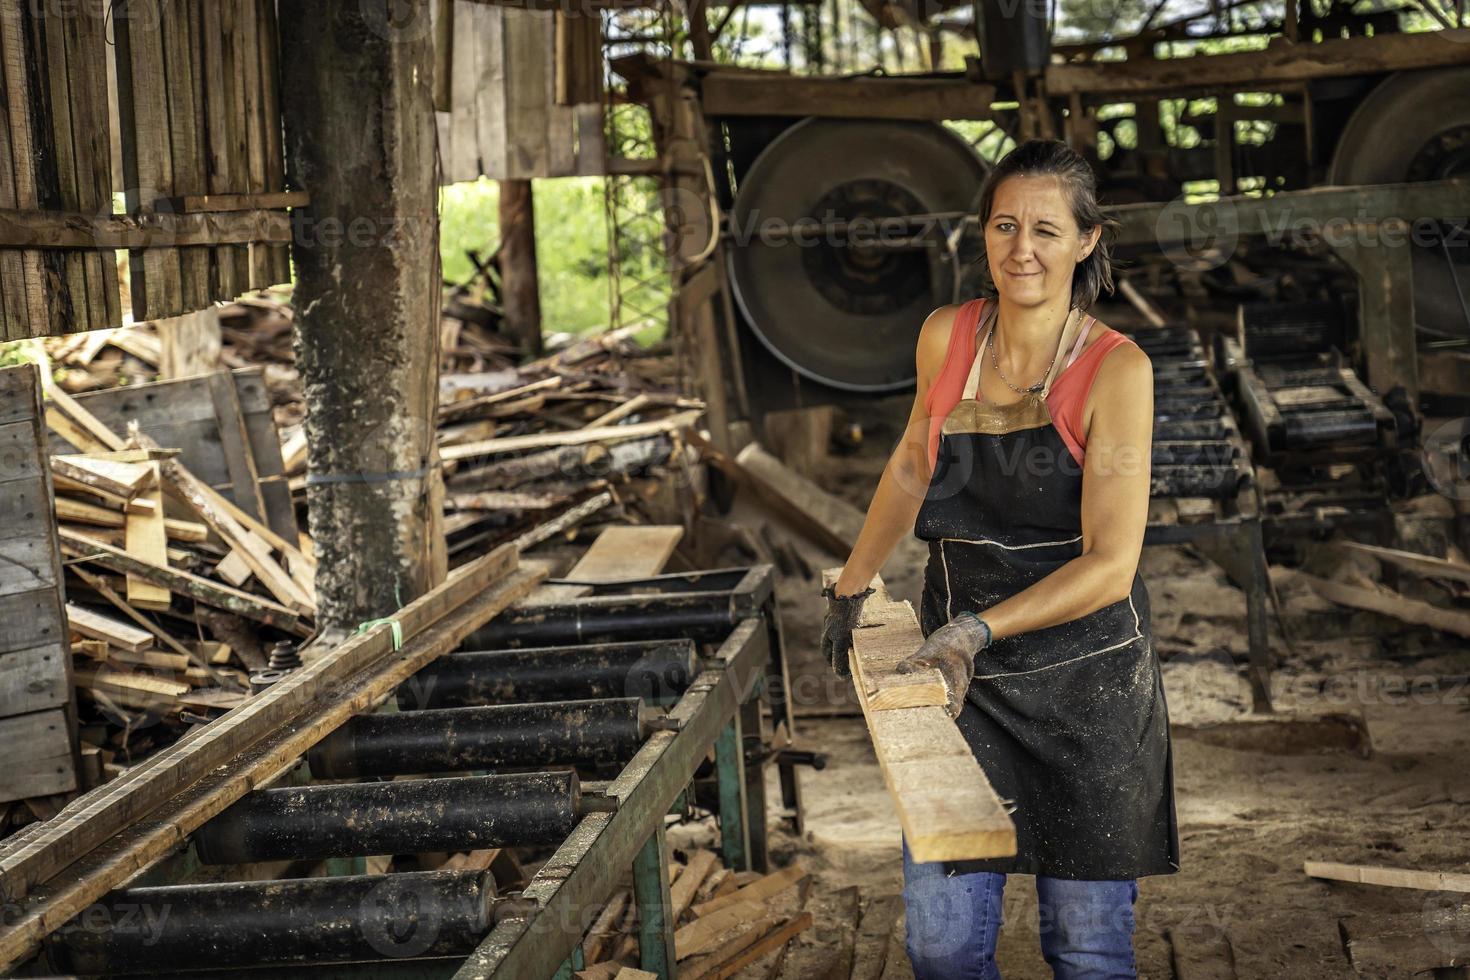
x,y
951,650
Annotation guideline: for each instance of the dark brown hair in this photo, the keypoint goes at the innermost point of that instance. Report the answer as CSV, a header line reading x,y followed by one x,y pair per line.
x,y
1053,158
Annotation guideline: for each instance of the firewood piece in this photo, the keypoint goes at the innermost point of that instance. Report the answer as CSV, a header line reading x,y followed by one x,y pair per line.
x,y
700,864
708,931
757,891
771,941
104,628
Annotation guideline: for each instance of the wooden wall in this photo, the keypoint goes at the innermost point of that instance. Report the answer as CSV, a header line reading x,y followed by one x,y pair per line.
x,y
37,720
525,94
197,119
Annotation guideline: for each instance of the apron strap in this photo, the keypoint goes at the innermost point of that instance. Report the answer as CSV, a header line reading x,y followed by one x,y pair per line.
x,y
987,323
1081,339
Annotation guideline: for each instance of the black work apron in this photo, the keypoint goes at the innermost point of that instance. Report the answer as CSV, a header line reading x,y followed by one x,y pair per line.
x,y
1068,722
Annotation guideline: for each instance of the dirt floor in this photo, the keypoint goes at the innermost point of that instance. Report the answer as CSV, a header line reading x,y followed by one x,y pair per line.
x,y
1251,809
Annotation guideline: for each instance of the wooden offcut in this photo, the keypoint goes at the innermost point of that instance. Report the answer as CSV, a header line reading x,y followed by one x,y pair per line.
x,y
620,552
947,808
1434,881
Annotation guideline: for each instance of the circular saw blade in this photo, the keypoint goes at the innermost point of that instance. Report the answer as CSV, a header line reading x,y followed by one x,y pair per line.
x,y
844,309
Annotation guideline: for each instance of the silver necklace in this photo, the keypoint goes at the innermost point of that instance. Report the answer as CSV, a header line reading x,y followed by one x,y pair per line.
x,y
1021,391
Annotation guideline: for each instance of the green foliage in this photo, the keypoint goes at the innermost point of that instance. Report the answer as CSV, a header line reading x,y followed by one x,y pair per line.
x,y
571,244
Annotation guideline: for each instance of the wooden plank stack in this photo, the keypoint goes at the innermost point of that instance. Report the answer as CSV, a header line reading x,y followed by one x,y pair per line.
x,y
38,724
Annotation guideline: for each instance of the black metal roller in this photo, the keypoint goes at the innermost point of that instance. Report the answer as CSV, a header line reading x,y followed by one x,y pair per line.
x,y
847,315
1416,126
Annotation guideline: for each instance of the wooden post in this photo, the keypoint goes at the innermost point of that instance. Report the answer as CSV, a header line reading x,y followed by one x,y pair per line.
x,y
730,768
1380,255
519,282
360,127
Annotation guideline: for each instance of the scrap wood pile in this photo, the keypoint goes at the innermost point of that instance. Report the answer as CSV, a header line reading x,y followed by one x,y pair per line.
x,y
524,445
175,595
749,925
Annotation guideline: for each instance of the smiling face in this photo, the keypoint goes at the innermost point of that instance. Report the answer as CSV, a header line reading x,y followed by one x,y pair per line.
x,y
1032,242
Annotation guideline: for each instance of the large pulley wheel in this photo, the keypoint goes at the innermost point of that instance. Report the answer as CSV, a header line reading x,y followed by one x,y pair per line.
x,y
842,308
1416,126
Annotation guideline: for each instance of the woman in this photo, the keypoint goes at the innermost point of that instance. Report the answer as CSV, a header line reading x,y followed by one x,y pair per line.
x,y
1025,468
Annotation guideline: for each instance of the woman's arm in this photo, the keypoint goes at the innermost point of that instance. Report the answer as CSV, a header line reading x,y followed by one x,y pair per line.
x,y
900,491
1115,492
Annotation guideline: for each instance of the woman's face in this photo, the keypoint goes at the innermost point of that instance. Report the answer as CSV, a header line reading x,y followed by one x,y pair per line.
x,y
1032,242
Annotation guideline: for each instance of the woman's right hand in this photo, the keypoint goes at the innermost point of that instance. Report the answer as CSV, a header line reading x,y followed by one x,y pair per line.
x,y
843,613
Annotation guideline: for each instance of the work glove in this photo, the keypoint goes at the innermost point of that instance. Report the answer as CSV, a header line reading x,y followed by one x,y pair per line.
x,y
951,650
843,613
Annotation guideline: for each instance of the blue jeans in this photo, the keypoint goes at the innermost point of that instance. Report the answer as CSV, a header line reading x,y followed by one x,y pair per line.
x,y
953,922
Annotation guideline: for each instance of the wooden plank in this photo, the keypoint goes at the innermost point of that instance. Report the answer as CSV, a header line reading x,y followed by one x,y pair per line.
x,y
574,437
244,479
36,313
152,232
947,808
87,59
146,537
1390,604
131,823
1362,874
126,480
111,631
1426,565
33,680
71,293
870,952
788,930
620,552
47,766
186,123
766,887
26,560
681,892
774,93
830,522
14,323
147,142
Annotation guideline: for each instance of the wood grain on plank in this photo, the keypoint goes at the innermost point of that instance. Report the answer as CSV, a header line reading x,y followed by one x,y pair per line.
x,y
945,804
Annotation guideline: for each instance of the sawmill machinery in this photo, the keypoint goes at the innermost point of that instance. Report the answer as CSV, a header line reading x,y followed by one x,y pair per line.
x,y
567,727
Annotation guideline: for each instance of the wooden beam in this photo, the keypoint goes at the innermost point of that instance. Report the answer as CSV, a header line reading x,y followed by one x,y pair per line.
x,y
772,93
829,521
1282,63
947,807
66,229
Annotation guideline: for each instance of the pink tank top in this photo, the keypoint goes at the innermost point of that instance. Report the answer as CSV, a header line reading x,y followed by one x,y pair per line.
x,y
1065,400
